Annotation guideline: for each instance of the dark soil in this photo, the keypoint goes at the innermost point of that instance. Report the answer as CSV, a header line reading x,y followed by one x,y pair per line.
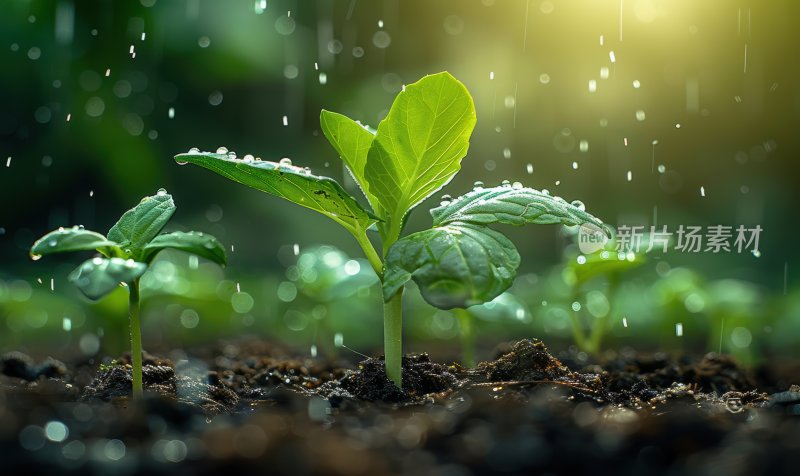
x,y
250,406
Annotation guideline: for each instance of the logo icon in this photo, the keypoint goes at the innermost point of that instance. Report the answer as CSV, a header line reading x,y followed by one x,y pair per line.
x,y
591,238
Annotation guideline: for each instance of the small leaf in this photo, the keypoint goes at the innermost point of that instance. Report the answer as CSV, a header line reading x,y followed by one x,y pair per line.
x,y
454,266
512,206
604,263
418,147
97,277
197,243
72,239
143,222
352,141
295,184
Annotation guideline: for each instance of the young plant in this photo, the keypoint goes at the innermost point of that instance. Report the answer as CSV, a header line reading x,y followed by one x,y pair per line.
x,y
505,307
125,254
416,150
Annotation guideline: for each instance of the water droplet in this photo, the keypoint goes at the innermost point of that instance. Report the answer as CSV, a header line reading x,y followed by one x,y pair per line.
x,y
579,205
231,155
307,170
446,198
97,261
286,161
180,161
679,329
36,257
222,150
248,158
505,183
757,253
517,185
545,191
194,150
529,168
507,153
296,249
662,168
161,192
477,185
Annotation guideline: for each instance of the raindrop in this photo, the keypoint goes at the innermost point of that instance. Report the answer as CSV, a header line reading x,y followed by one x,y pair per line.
x,y
8,162
574,166
285,161
36,257
592,85
260,6
757,253
640,116
583,146
323,79
478,185
231,155
222,150
171,113
624,322
338,339
517,185
194,150
507,153
612,57
296,249
579,205
215,98
505,183
66,324
576,306
313,351
702,191
544,78
636,84
285,120
581,259
204,42
630,175
161,192
661,168
248,158
679,329
529,168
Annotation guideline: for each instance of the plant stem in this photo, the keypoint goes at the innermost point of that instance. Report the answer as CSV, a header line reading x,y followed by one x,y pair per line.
x,y
370,253
467,324
601,324
575,322
136,339
393,337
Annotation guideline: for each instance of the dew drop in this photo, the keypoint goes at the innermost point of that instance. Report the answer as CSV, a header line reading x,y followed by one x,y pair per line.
x,y
231,155
579,205
36,257
529,168
180,161
517,185
222,150
161,192
477,185
194,150
545,191
286,161
505,183
248,158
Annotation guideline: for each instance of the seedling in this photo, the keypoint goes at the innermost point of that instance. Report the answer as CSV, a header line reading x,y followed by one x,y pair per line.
x,y
505,307
581,270
416,150
125,254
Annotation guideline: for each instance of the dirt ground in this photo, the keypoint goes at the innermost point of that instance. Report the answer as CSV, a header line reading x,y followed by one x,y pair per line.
x,y
250,406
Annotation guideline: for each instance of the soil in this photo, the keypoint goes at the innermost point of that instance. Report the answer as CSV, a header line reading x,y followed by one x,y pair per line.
x,y
251,407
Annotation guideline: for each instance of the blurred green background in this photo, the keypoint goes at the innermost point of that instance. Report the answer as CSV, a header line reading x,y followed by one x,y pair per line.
x,y
631,107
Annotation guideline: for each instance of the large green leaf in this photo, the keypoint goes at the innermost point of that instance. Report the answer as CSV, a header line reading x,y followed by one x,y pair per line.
x,y
72,239
352,141
97,277
418,147
197,243
143,222
295,184
512,205
454,266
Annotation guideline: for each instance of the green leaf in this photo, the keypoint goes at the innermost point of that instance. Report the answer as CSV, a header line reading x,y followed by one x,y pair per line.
x,y
418,147
72,239
352,141
454,266
99,276
295,184
512,206
143,222
604,263
200,244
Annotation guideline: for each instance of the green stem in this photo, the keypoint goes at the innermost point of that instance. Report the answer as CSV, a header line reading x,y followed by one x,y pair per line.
x,y
370,253
136,339
601,324
393,337
467,324
575,322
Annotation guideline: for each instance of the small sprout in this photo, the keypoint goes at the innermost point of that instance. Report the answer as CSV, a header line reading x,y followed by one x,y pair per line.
x,y
415,151
125,255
